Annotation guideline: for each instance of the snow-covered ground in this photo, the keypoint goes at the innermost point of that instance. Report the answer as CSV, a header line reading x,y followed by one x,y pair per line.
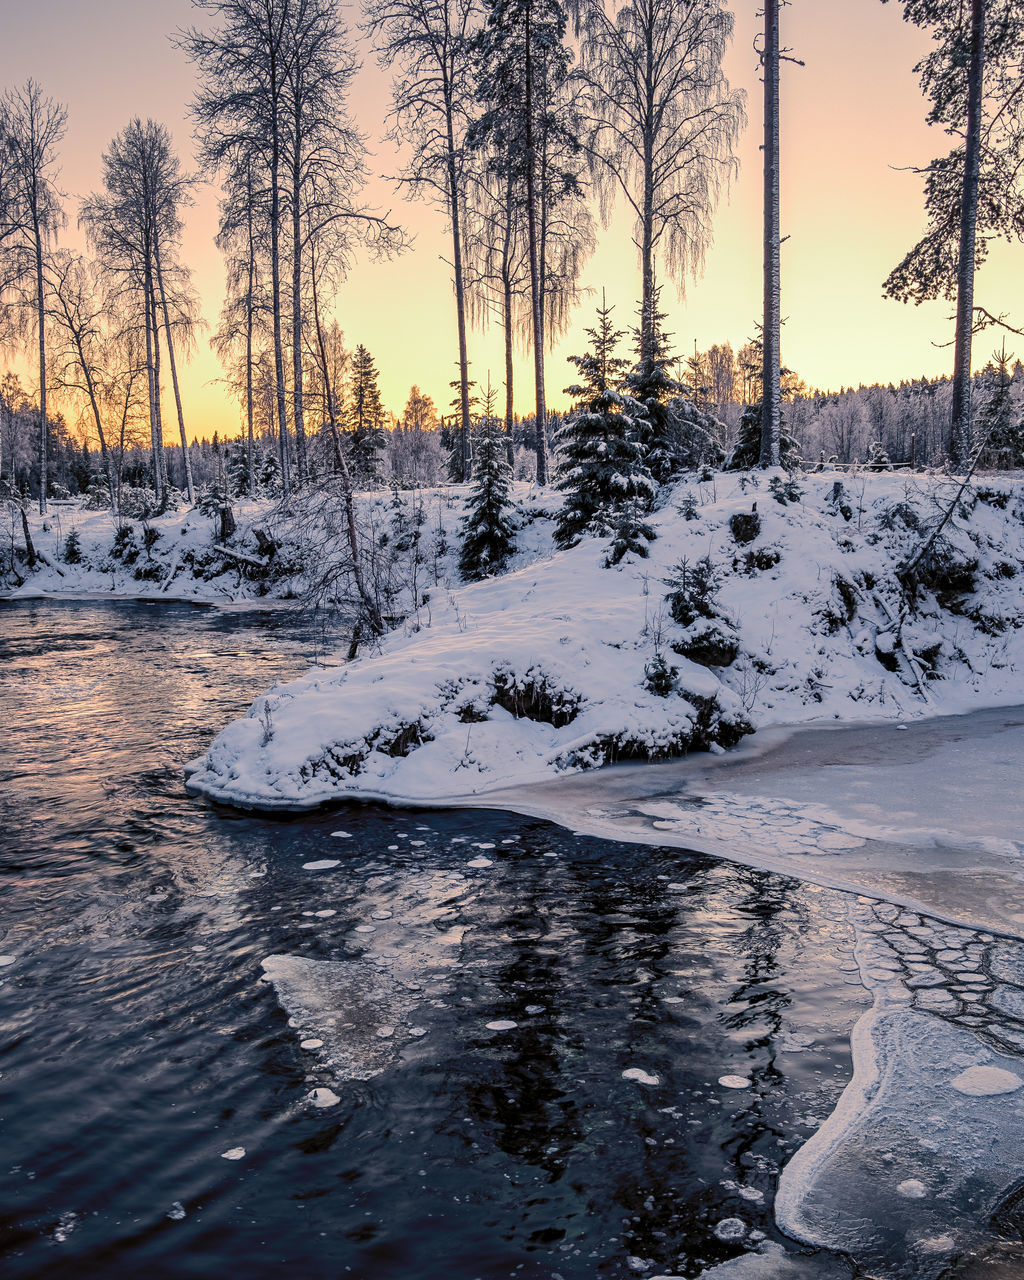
x,y
178,556
564,664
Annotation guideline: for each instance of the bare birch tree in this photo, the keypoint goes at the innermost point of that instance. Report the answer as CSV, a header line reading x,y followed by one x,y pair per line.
x,y
79,347
662,127
529,121
243,330
240,110
135,227
34,127
427,43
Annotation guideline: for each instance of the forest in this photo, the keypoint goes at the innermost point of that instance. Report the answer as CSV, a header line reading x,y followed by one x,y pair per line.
x,y
523,124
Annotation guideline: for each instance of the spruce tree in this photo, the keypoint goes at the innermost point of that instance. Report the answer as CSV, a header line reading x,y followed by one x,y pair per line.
x,y
365,418
682,435
746,452
603,447
488,533
1000,430
651,385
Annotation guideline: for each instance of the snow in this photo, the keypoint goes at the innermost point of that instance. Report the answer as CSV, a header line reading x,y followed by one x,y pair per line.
x,y
983,1082
640,1076
541,672
185,562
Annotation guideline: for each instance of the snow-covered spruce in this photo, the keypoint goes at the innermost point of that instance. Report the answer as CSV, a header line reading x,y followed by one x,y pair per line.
x,y
565,664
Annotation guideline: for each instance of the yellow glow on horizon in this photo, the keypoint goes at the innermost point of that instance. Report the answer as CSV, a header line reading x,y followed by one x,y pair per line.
x,y
852,124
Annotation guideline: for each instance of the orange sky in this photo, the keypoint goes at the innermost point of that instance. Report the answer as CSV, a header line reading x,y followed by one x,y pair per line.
x,y
852,122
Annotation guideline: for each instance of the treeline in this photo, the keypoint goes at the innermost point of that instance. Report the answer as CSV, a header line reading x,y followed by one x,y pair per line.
x,y
522,122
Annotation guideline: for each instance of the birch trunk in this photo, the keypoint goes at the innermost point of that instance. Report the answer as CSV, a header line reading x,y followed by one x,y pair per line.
x,y
275,280
186,460
961,434
41,321
535,289
297,405
771,393
460,289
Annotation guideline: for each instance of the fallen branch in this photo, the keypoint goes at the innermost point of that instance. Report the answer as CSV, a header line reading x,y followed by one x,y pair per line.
x,y
237,555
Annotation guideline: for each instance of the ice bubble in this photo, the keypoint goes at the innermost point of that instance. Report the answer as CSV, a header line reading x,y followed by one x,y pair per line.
x,y
502,1024
534,1008
478,845
676,888
342,835
199,947
366,928
731,1229
385,1033
912,1189
311,1044
176,1212
381,915
322,864
6,960
480,862
392,847
641,1077
327,911
324,1098
675,1000
234,1153
734,1082
417,1031
418,842
982,1082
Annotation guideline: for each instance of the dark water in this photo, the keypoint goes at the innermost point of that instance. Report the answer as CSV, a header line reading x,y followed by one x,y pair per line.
x,y
139,1043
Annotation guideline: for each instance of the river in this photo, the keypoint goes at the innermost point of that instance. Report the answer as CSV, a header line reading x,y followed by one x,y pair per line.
x,y
556,1056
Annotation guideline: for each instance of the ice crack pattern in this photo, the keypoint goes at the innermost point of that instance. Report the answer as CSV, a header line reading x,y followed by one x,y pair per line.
x,y
919,1165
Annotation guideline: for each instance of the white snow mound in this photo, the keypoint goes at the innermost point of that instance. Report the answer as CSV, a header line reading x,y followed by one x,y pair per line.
x,y
565,664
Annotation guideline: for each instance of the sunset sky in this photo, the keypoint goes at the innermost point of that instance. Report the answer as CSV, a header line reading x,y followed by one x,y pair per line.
x,y
852,127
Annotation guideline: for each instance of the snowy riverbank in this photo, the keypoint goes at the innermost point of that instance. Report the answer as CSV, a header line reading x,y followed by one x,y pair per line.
x,y
564,664
274,556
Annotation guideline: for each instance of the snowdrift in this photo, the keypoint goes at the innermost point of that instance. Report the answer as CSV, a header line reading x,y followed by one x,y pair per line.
x,y
764,601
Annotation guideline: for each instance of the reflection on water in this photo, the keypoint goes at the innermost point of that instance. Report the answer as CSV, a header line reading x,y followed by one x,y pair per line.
x,y
140,1042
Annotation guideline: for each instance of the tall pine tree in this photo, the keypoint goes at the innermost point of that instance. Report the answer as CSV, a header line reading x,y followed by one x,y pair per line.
x,y
365,418
488,531
603,449
651,385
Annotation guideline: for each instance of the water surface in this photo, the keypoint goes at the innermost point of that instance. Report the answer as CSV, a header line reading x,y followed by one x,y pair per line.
x,y
140,1042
